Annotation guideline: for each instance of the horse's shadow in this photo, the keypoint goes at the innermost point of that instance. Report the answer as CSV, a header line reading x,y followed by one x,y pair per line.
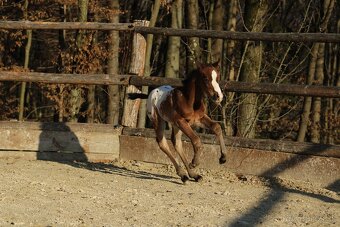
x,y
108,168
58,143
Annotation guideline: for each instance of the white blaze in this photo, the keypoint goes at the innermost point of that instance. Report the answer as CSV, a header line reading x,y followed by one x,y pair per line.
x,y
216,86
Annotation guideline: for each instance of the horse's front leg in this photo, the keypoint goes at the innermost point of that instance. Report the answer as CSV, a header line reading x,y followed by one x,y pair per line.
x,y
184,126
216,128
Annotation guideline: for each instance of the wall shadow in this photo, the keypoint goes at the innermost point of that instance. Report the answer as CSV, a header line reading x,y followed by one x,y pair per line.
x,y
58,143
256,214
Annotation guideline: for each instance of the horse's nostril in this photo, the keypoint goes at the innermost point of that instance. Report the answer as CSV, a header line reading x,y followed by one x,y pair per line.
x,y
215,97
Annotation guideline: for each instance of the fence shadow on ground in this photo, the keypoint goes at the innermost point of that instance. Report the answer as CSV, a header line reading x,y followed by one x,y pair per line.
x,y
265,206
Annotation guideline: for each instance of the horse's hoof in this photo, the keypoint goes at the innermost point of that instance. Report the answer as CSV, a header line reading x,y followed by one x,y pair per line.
x,y
192,165
184,178
222,160
198,178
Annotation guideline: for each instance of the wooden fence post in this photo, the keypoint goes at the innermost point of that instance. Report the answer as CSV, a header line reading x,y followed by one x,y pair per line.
x,y
131,107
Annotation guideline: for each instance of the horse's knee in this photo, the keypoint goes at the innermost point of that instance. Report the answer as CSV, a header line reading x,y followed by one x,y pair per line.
x,y
162,142
197,144
216,128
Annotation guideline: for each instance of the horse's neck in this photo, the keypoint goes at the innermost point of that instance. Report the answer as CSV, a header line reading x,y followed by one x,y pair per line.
x,y
193,94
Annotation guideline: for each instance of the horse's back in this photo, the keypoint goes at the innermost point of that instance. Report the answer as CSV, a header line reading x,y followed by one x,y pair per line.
x,y
156,98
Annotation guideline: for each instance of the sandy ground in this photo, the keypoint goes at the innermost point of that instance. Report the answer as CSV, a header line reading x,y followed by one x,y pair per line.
x,y
43,193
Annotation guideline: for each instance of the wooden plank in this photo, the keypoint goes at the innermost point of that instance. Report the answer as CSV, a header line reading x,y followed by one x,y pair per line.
x,y
243,36
260,144
38,25
316,169
227,86
155,81
281,89
55,78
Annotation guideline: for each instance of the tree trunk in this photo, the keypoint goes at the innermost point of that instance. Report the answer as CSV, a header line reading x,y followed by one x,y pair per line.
x,y
255,12
147,68
113,68
82,17
315,74
328,6
76,95
193,48
62,45
331,112
210,22
217,24
172,61
316,108
308,100
91,91
228,67
26,63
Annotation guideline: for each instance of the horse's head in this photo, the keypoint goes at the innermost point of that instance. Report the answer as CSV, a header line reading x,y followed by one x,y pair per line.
x,y
209,78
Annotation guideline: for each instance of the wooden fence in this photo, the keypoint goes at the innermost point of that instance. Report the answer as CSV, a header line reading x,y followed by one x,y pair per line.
x,y
228,86
87,142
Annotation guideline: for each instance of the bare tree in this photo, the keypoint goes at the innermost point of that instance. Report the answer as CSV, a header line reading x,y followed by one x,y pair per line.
x,y
193,48
26,63
217,24
228,66
112,68
315,75
76,94
255,12
172,61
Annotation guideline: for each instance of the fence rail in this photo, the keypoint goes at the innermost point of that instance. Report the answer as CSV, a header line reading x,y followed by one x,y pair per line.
x,y
256,36
227,86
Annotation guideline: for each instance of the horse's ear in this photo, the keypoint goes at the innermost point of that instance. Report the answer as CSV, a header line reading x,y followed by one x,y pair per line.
x,y
199,65
217,63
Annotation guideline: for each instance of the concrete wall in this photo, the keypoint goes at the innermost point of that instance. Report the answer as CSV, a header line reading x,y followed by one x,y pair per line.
x,y
323,171
104,143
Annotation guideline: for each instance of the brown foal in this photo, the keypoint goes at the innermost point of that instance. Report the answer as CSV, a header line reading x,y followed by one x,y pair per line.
x,y
184,107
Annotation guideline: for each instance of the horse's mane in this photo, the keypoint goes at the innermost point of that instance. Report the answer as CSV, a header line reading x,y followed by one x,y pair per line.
x,y
192,75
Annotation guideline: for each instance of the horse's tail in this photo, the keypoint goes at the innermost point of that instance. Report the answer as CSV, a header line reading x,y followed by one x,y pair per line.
x,y
134,96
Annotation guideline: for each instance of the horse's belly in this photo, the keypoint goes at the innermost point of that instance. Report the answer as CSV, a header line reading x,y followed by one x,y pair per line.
x,y
156,101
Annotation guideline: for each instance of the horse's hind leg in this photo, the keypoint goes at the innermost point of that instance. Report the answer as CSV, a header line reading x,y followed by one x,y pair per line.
x,y
176,138
159,125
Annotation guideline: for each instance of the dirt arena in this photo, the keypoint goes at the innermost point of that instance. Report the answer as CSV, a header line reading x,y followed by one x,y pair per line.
x,y
43,193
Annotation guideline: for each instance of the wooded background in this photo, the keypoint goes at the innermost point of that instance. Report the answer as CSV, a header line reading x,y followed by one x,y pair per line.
x,y
249,115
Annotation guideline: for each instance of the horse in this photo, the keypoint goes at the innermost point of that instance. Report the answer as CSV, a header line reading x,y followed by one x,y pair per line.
x,y
184,107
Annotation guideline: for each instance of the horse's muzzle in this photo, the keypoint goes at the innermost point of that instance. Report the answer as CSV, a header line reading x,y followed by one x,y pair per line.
x,y
217,98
